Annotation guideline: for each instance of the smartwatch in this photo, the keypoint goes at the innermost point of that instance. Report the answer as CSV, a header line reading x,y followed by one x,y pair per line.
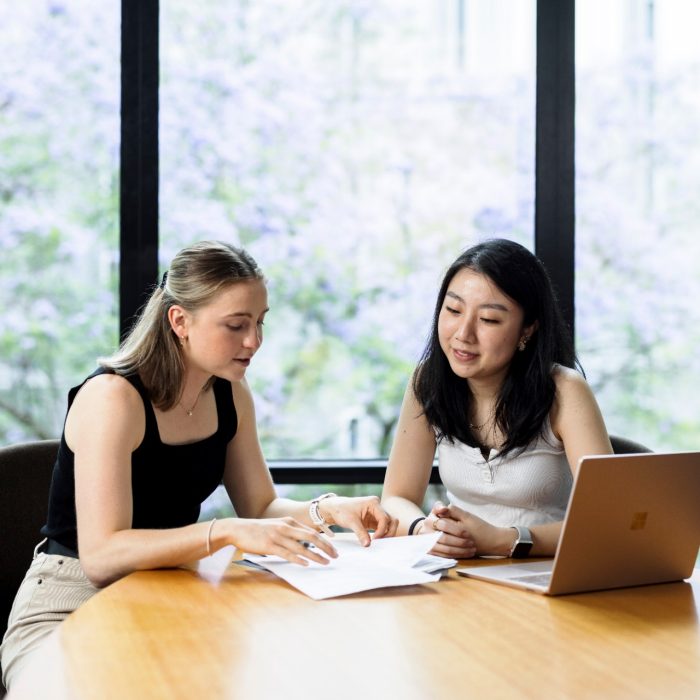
x,y
523,543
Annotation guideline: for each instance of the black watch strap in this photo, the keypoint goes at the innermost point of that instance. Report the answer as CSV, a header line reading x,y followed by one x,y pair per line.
x,y
523,543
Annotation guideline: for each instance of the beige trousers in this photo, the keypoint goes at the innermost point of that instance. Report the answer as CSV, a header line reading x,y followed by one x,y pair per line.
x,y
53,587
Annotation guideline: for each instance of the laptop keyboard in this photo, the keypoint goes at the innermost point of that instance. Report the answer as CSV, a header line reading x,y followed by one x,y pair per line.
x,y
536,579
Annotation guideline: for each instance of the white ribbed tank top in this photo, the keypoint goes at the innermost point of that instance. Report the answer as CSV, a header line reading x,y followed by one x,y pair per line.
x,y
531,488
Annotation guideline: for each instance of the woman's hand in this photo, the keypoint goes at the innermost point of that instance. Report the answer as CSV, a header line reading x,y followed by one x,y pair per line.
x,y
456,541
359,515
465,535
283,537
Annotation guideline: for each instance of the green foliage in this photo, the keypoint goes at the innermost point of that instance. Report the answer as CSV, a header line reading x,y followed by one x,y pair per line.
x,y
351,149
58,209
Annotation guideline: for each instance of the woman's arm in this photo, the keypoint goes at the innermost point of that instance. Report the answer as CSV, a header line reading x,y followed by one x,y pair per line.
x,y
488,539
251,490
104,426
410,463
577,421
576,418
407,478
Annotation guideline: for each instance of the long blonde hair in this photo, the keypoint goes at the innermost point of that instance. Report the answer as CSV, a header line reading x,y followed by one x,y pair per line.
x,y
151,349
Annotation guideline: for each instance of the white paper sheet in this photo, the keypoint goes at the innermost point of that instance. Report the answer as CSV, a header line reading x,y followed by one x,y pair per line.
x,y
386,562
432,563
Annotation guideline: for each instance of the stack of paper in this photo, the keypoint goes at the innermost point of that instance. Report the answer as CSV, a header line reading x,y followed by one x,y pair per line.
x,y
433,564
393,561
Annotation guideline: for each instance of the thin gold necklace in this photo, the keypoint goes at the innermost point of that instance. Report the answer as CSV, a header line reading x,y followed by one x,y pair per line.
x,y
479,427
190,411
484,424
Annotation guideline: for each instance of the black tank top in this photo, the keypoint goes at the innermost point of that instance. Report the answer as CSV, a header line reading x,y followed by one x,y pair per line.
x,y
169,482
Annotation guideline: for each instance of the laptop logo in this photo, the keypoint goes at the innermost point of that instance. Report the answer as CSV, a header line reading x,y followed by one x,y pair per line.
x,y
639,520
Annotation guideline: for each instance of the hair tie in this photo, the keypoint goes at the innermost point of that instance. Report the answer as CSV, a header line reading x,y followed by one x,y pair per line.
x,y
415,524
164,280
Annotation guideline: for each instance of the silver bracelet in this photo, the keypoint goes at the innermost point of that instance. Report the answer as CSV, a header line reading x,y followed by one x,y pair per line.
x,y
315,514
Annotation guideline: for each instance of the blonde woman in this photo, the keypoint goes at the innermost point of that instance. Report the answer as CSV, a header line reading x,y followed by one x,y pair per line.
x,y
151,434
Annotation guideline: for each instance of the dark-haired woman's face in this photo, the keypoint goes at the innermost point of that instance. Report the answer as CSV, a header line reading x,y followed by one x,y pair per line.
x,y
479,328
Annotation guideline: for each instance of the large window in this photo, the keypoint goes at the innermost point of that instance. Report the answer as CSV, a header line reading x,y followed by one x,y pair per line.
x,y
59,135
637,245
355,149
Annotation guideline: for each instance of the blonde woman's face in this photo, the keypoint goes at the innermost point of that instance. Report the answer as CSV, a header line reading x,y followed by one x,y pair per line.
x,y
223,336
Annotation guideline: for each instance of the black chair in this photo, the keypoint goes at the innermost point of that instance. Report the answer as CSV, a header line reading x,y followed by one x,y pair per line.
x,y
25,478
624,446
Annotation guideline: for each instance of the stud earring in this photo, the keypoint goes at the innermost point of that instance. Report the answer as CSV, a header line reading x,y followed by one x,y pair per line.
x,y
522,344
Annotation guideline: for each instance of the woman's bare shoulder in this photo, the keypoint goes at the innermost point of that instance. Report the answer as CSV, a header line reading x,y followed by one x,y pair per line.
x,y
572,390
112,388
243,400
107,405
568,379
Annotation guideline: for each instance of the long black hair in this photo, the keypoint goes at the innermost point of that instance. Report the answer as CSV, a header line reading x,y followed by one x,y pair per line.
x,y
528,390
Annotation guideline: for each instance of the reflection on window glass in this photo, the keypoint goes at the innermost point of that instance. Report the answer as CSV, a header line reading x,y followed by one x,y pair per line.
x,y
59,136
355,148
638,175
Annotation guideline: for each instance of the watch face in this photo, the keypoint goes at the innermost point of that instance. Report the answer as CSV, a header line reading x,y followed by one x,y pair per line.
x,y
523,544
521,550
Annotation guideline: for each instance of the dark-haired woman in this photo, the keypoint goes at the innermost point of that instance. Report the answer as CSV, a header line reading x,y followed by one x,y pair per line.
x,y
150,435
499,393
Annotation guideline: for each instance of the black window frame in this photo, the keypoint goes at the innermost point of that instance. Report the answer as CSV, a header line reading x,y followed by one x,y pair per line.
x,y
139,173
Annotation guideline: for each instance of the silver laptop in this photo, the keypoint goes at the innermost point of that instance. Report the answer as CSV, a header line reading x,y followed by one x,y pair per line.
x,y
631,520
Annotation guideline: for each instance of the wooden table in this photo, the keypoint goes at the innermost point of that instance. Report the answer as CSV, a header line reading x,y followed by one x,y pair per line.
x,y
225,631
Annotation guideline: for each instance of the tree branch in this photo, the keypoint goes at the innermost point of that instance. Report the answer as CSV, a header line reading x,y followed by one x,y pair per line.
x,y
27,420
